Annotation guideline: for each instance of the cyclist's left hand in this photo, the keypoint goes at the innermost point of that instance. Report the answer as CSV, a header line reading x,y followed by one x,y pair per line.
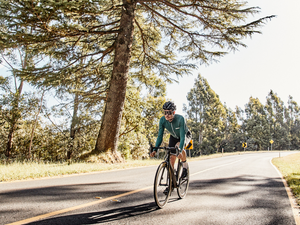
x,y
152,154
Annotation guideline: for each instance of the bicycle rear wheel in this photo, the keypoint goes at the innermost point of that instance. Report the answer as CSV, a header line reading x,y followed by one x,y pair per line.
x,y
183,183
162,185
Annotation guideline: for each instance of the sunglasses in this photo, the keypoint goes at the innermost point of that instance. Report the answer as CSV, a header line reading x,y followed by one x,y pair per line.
x,y
168,112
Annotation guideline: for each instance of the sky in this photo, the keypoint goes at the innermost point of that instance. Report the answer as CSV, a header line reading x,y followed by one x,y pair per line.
x,y
271,61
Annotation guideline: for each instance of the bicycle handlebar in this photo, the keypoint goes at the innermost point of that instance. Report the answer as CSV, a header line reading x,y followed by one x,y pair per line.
x,y
166,148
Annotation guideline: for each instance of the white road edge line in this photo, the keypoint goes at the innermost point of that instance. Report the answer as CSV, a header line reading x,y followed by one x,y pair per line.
x,y
294,206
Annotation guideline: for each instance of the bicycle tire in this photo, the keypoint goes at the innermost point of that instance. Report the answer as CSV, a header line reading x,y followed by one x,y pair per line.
x,y
183,183
161,182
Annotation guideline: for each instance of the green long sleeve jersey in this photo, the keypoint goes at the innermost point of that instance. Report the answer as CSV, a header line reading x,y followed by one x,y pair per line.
x,y
177,129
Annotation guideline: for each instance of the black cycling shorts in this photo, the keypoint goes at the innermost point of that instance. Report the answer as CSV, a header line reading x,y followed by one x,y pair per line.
x,y
173,141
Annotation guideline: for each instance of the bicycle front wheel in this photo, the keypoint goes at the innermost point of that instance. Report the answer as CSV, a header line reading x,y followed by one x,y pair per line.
x,y
183,183
162,185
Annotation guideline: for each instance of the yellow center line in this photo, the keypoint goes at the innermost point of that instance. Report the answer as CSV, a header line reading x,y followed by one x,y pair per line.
x,y
32,219
76,207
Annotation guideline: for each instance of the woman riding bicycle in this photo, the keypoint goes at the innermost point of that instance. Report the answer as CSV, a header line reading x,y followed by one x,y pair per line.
x,y
180,135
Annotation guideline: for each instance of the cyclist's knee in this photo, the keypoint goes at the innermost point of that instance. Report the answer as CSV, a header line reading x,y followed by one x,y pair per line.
x,y
172,160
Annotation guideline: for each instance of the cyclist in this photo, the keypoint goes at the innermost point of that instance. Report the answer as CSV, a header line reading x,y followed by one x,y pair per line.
x,y
180,135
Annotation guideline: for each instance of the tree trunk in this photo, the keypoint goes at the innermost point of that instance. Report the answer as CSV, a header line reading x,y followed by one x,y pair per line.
x,y
33,128
15,118
73,124
9,142
109,132
200,136
15,108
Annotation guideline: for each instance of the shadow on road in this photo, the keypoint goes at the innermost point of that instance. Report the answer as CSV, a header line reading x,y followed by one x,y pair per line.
x,y
259,199
62,193
111,215
263,199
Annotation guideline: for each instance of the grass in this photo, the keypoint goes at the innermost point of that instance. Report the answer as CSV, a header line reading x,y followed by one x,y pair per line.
x,y
32,170
289,166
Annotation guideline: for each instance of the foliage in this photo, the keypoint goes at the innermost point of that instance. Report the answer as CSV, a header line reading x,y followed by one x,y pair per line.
x,y
206,117
97,44
16,109
71,31
140,120
256,125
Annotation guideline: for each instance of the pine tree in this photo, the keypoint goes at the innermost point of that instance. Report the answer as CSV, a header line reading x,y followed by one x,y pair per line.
x,y
207,117
276,109
122,36
232,137
293,123
256,125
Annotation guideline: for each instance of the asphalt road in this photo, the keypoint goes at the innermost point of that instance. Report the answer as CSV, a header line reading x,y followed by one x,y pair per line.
x,y
240,189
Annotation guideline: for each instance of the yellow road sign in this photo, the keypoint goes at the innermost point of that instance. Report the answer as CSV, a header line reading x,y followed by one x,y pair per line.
x,y
244,145
271,141
189,145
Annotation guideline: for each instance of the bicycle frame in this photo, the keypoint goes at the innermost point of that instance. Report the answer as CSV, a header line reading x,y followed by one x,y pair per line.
x,y
166,179
174,178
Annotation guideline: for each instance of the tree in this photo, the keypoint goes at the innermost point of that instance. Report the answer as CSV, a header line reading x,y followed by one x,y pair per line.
x,y
35,123
16,110
14,104
279,132
140,36
83,94
206,116
292,116
256,125
233,136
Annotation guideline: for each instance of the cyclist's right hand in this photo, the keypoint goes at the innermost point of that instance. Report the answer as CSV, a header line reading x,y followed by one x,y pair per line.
x,y
152,154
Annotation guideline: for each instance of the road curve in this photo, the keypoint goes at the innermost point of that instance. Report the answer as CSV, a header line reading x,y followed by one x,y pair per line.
x,y
239,189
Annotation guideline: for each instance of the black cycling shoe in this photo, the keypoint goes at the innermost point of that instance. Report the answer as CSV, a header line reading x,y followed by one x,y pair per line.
x,y
184,173
166,191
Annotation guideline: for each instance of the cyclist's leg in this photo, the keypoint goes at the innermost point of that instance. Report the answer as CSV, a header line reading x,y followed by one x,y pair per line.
x,y
188,137
172,160
184,164
183,156
172,143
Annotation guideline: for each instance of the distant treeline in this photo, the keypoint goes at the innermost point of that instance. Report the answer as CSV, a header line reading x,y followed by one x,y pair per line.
x,y
29,129
215,126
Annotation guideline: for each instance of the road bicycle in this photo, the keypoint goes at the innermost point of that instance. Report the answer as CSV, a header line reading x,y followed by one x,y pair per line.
x,y
166,179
